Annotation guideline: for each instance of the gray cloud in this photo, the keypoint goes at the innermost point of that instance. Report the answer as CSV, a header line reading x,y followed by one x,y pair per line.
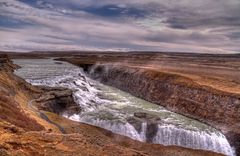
x,y
199,26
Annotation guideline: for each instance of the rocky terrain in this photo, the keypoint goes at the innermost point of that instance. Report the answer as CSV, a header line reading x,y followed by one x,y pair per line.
x,y
179,94
204,87
30,125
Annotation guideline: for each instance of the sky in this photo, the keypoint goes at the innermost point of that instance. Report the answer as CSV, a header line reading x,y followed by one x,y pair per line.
x,y
201,26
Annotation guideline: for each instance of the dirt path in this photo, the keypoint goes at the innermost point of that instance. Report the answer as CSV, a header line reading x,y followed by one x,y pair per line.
x,y
45,117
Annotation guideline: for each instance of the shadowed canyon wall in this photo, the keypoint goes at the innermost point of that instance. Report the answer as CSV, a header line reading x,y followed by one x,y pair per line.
x,y
179,94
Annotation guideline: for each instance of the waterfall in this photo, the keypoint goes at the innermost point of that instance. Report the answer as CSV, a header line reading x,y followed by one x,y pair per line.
x,y
109,108
143,132
171,135
121,128
166,135
84,93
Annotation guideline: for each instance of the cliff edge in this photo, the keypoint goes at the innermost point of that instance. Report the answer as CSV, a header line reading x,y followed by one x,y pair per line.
x,y
30,125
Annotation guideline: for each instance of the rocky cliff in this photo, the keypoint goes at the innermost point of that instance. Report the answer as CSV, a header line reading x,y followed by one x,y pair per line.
x,y
57,100
26,130
179,94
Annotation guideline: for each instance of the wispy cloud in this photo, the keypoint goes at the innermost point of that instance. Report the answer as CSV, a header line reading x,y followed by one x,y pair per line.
x,y
158,25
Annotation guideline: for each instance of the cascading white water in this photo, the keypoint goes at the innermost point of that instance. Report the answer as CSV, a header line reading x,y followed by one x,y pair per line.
x,y
110,108
170,135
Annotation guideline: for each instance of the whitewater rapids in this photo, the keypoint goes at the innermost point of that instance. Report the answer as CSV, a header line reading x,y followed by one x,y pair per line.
x,y
110,108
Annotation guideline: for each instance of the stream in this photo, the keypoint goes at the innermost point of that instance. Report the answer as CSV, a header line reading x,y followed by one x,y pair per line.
x,y
120,112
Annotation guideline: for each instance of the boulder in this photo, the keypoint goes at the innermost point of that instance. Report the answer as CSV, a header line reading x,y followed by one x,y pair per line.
x,y
151,121
58,100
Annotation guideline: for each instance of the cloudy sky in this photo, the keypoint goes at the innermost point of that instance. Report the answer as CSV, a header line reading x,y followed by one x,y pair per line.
x,y
204,26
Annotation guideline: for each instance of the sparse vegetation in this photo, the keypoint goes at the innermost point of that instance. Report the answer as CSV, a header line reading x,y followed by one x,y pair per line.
x,y
12,113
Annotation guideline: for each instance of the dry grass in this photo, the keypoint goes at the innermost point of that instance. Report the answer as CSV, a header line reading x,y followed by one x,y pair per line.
x,y
12,113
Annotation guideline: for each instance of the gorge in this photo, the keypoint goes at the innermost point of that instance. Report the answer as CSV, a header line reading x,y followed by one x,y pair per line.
x,y
119,78
27,129
61,98
203,87
118,111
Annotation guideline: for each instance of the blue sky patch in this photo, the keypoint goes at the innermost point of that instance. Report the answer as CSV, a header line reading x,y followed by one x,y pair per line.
x,y
115,11
9,22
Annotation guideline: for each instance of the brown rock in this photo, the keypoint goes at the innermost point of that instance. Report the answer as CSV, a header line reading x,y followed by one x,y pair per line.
x,y
177,93
81,139
58,100
3,152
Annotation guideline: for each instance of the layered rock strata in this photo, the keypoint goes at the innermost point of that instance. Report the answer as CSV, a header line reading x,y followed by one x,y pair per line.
x,y
24,132
179,94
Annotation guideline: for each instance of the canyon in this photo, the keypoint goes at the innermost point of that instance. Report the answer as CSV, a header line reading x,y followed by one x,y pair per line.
x,y
23,131
204,87
160,80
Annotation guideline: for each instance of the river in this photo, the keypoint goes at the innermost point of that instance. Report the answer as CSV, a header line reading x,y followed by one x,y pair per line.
x,y
113,109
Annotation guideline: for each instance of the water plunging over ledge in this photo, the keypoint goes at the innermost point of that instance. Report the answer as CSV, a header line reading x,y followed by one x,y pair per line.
x,y
112,109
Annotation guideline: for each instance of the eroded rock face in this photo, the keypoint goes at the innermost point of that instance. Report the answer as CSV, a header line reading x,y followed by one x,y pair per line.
x,y
179,94
58,100
13,92
6,64
151,122
35,138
